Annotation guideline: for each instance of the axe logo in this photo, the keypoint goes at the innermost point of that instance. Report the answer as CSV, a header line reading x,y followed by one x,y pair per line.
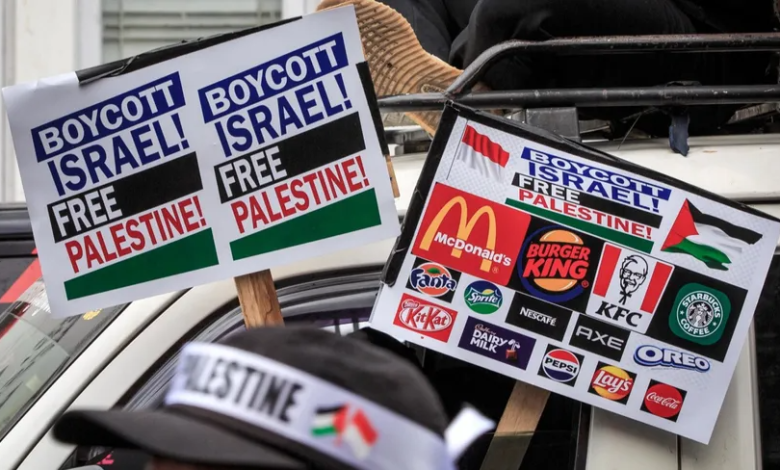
x,y
599,337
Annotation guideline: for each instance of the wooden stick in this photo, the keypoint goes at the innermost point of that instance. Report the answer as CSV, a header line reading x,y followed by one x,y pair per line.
x,y
516,427
393,181
259,304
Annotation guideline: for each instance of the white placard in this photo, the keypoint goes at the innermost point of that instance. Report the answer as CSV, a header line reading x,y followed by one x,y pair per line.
x,y
247,154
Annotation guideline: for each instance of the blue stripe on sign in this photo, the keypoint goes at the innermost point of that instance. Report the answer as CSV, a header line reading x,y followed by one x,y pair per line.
x,y
108,117
272,78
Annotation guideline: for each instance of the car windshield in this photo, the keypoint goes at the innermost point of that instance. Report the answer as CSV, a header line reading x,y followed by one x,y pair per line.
x,y
36,348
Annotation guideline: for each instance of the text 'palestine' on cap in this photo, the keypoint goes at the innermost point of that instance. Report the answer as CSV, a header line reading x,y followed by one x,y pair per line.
x,y
288,398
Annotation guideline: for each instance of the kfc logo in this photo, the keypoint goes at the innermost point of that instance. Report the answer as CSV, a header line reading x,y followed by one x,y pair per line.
x,y
633,272
425,318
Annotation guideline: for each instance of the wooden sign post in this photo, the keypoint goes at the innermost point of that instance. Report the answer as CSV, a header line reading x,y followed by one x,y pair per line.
x,y
256,291
516,427
257,296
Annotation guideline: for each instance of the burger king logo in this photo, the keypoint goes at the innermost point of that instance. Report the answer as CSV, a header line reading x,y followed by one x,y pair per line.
x,y
612,383
663,400
556,264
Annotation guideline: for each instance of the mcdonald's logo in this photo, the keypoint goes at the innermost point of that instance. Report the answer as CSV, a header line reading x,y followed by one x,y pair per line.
x,y
471,234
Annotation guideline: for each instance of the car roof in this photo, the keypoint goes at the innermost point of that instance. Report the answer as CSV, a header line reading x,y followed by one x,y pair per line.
x,y
15,221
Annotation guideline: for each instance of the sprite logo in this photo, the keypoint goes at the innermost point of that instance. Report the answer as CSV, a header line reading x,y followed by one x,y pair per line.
x,y
699,314
483,297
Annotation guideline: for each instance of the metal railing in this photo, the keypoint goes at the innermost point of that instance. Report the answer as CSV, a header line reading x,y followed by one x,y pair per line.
x,y
460,89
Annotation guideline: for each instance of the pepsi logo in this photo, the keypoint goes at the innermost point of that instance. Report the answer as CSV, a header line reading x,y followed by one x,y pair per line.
x,y
560,365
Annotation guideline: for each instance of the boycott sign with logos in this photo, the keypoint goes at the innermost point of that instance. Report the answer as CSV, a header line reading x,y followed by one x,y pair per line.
x,y
238,154
558,265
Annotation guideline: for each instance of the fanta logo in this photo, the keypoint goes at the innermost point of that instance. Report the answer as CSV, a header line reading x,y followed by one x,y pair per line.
x,y
461,230
432,279
612,383
425,318
555,264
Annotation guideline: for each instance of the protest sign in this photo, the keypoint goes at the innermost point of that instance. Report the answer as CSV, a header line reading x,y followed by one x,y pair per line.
x,y
563,267
258,150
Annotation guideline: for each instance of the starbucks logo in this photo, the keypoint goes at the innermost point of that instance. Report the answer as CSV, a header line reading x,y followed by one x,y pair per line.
x,y
700,314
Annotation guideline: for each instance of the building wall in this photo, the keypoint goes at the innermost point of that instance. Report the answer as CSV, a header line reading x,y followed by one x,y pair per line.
x,y
41,38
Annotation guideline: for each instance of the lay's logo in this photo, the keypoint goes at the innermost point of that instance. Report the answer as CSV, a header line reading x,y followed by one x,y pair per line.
x,y
471,234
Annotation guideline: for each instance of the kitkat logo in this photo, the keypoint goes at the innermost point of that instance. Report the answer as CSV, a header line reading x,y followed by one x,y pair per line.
x,y
425,318
663,400
470,234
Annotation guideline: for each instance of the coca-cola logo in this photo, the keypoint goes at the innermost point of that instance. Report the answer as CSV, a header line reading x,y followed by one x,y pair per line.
x,y
423,317
663,400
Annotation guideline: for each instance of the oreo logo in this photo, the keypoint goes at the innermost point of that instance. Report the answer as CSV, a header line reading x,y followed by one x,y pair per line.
x,y
561,365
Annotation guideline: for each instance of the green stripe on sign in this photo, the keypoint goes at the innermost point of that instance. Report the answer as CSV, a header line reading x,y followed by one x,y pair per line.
x,y
351,214
188,254
639,244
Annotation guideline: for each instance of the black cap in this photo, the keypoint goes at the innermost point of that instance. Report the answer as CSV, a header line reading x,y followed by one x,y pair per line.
x,y
202,436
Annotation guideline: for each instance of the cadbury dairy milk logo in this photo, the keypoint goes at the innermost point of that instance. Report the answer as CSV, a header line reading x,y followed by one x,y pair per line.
x,y
484,338
497,343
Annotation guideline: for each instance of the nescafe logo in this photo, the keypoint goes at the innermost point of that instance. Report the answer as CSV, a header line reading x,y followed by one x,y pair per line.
x,y
561,365
663,400
554,264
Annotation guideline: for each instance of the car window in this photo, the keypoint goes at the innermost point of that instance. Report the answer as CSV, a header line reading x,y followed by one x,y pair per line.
x,y
343,304
767,328
36,348
17,274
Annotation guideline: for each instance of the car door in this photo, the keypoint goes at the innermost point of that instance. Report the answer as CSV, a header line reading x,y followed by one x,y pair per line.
x,y
340,301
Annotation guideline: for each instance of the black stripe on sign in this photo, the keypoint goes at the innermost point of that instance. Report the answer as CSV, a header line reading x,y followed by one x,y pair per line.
x,y
587,200
134,194
297,155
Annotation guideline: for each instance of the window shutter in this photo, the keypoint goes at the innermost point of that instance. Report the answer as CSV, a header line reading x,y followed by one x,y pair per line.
x,y
131,27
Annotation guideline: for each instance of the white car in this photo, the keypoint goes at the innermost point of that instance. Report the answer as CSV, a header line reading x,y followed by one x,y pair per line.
x,y
121,357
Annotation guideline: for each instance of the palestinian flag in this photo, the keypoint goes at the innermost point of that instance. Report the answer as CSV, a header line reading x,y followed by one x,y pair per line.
x,y
355,430
713,241
328,421
482,155
360,435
